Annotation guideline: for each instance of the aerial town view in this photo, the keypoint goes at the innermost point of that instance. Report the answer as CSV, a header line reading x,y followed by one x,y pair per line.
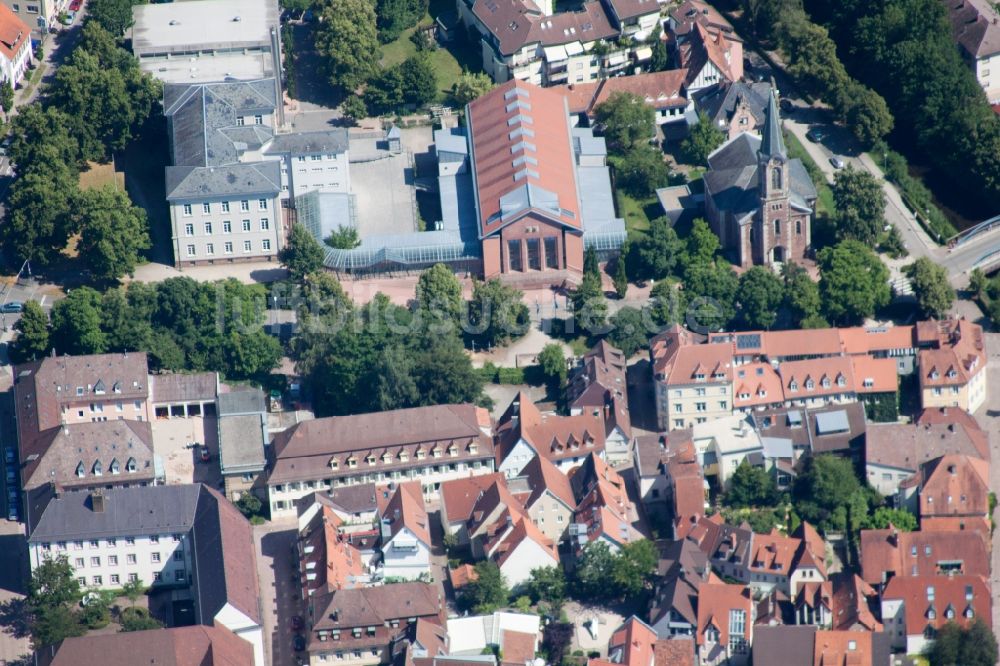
x,y
499,332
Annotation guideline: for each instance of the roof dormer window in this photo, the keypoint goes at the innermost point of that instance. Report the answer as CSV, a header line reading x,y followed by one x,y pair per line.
x,y
79,470
793,386
98,468
115,468
130,466
810,385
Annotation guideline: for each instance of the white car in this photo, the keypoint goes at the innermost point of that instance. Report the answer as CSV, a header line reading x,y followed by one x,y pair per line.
x,y
837,162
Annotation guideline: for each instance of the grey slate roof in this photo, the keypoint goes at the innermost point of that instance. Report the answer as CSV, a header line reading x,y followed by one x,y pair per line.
x,y
720,103
134,511
304,143
246,401
772,143
241,443
259,178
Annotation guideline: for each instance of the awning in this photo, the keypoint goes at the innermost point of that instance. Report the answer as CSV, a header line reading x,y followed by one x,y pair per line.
x,y
644,53
616,59
575,48
554,53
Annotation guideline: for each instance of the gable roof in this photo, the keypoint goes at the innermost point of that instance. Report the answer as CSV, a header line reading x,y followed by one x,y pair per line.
x,y
956,353
975,25
632,643
522,156
181,646
906,447
14,33
959,418
366,606
553,436
958,593
715,601
336,563
720,104
521,529
406,509
515,24
543,476
459,496
890,552
955,485
661,90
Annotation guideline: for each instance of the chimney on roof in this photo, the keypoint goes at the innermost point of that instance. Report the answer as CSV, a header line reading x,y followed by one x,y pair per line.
x,y
97,501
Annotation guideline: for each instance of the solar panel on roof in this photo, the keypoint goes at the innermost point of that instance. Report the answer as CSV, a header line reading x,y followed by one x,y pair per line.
x,y
829,423
794,418
748,341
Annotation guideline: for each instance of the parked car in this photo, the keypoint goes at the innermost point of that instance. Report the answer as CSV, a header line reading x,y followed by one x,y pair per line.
x,y
836,162
815,135
75,5
11,495
8,455
299,642
12,513
297,622
786,104
205,454
13,306
11,475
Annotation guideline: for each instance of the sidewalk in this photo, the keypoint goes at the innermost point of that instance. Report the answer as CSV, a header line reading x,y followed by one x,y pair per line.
x,y
55,50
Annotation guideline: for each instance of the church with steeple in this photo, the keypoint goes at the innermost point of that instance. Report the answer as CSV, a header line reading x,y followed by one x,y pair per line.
x,y
758,201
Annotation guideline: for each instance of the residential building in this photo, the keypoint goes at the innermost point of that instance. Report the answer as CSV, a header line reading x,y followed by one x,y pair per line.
x,y
914,608
224,204
894,452
954,494
635,643
604,511
243,438
524,432
952,359
725,624
833,428
358,626
432,444
187,538
550,502
355,507
666,92
517,546
758,200
737,107
599,382
694,382
311,162
207,41
975,25
469,636
706,45
15,45
842,603
685,485
38,15
181,646
458,497
890,552
184,394
682,569
406,534
794,645
723,444
786,644
540,197
328,560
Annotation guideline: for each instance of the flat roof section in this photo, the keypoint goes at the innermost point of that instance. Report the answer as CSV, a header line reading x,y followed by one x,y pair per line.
x,y
202,25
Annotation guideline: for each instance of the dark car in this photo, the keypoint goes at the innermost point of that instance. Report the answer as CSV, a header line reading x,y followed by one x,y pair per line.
x,y
13,306
205,454
786,104
299,642
816,135
297,622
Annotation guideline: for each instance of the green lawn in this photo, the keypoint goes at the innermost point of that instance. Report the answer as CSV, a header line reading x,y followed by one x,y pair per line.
x,y
796,149
448,62
637,212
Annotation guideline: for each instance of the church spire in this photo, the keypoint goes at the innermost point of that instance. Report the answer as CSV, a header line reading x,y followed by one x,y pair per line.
x,y
772,143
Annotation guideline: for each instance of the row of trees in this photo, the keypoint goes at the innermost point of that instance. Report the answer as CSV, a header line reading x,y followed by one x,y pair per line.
x,y
185,325
96,104
905,50
629,125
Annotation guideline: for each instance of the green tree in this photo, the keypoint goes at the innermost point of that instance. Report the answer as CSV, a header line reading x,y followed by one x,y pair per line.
x,y
249,505
824,490
634,567
658,250
853,284
621,276
6,97
702,139
395,384
751,487
590,264
76,323
628,331
96,611
53,591
977,282
547,584
133,589
590,307
867,115
626,120
710,291
418,79
38,221
801,294
115,16
354,109
395,16
972,646
496,313
348,40
759,295
489,591
666,305
138,619
553,364
901,519
470,87
42,135
594,569
443,372
860,203
251,355
640,170
302,254
113,232
934,292
343,238
813,56
660,59
702,243
439,294
32,328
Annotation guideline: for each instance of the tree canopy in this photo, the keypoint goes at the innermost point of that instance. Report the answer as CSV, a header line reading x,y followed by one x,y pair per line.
x,y
702,139
760,293
470,87
347,39
860,204
302,253
113,232
854,283
751,487
931,286
488,592
626,120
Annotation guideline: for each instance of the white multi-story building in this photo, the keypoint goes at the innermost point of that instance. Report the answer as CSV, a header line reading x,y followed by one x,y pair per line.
x,y
38,15
187,538
975,25
15,46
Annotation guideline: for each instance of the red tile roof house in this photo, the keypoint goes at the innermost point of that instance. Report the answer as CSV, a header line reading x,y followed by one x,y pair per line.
x,y
360,625
432,444
914,608
954,494
725,624
15,46
889,553
665,92
543,189
952,360
524,432
635,643
406,535
327,561
599,383
458,497
547,496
